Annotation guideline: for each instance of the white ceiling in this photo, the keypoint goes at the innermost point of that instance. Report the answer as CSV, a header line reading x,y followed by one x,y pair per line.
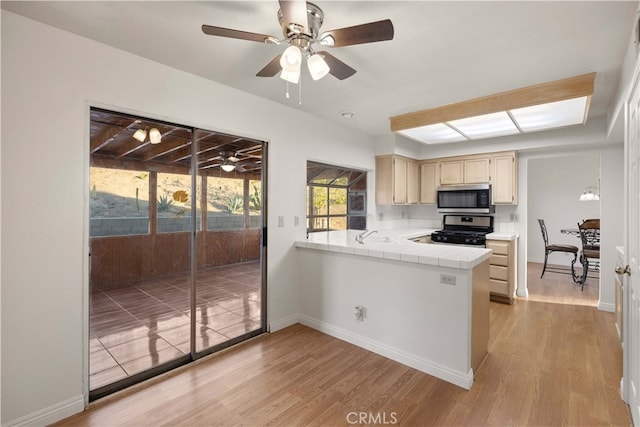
x,y
443,52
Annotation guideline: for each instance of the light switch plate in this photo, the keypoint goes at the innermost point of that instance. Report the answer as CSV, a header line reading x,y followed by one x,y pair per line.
x,y
280,221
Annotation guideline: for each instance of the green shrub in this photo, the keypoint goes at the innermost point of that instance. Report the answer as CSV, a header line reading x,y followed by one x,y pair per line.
x,y
256,198
164,203
234,204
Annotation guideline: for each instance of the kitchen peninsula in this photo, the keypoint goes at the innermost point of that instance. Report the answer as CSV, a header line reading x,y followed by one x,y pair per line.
x,y
423,305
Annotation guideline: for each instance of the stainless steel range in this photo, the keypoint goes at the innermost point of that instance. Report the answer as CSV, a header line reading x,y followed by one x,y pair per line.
x,y
464,230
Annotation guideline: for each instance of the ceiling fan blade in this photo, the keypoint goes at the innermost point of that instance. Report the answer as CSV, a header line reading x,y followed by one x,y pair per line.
x,y
294,13
235,34
366,33
271,69
337,68
242,167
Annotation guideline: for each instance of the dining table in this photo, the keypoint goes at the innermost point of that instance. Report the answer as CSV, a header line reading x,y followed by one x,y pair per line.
x,y
595,264
571,231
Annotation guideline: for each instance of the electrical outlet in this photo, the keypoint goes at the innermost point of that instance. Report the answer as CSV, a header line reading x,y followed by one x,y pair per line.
x,y
448,279
380,216
296,221
280,221
515,217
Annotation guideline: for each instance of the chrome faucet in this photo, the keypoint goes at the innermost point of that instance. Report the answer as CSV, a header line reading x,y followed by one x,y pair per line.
x,y
360,237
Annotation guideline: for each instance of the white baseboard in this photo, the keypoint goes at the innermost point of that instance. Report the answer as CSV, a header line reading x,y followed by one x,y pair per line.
x,y
607,306
52,414
461,379
276,325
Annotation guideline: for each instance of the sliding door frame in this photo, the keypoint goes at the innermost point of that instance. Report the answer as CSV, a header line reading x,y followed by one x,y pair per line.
x,y
92,395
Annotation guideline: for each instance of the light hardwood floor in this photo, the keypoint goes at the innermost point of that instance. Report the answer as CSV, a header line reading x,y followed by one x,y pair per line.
x,y
554,359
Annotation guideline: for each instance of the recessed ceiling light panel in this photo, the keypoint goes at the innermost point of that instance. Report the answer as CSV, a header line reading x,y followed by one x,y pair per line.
x,y
551,115
433,134
486,126
534,108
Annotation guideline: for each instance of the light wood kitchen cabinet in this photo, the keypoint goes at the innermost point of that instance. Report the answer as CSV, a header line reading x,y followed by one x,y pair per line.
x,y
504,178
476,170
413,182
396,180
429,182
401,180
451,172
502,270
464,170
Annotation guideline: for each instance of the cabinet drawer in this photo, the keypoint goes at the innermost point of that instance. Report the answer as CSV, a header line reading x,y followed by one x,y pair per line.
x,y
498,272
499,287
499,260
498,247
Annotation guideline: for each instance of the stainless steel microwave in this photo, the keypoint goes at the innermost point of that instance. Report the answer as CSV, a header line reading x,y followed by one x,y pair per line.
x,y
472,198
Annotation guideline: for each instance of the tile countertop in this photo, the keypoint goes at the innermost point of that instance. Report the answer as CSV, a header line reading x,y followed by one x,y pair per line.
x,y
395,245
502,236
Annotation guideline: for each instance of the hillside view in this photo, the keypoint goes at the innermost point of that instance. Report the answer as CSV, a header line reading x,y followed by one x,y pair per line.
x,y
119,193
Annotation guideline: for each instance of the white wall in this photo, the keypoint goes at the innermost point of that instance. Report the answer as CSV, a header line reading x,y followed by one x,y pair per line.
x,y
49,80
555,183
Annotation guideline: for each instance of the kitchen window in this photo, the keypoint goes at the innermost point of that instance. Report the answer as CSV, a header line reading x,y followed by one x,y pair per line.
x,y
336,198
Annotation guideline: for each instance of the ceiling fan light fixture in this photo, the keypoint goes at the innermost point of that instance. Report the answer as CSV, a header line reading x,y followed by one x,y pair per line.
x,y
326,39
227,166
318,67
155,137
291,59
291,77
140,135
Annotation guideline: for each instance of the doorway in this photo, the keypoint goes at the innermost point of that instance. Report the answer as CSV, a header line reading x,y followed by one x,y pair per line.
x,y
177,251
555,183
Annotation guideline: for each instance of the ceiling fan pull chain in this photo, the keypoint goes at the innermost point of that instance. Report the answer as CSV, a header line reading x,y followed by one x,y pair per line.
x,y
287,94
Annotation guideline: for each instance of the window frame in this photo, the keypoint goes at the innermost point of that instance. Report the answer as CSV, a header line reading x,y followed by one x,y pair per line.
x,y
350,213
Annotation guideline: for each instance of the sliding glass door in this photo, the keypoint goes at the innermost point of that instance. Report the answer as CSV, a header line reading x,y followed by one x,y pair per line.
x,y
177,256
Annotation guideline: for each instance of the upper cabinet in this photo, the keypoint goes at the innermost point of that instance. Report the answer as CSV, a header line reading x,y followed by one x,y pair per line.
x,y
451,172
504,178
464,170
413,182
476,170
429,181
397,180
400,180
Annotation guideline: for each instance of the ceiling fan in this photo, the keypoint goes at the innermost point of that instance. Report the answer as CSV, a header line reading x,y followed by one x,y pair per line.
x,y
231,162
301,22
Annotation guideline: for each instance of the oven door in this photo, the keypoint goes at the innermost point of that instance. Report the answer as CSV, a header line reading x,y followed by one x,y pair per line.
x,y
465,199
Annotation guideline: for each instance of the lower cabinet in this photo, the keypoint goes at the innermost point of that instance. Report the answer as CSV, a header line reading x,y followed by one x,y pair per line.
x,y
502,270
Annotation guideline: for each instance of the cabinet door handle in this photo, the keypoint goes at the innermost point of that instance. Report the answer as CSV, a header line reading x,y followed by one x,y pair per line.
x,y
623,270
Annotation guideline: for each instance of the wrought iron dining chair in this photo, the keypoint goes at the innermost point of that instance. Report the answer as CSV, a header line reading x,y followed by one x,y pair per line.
x,y
549,248
590,254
